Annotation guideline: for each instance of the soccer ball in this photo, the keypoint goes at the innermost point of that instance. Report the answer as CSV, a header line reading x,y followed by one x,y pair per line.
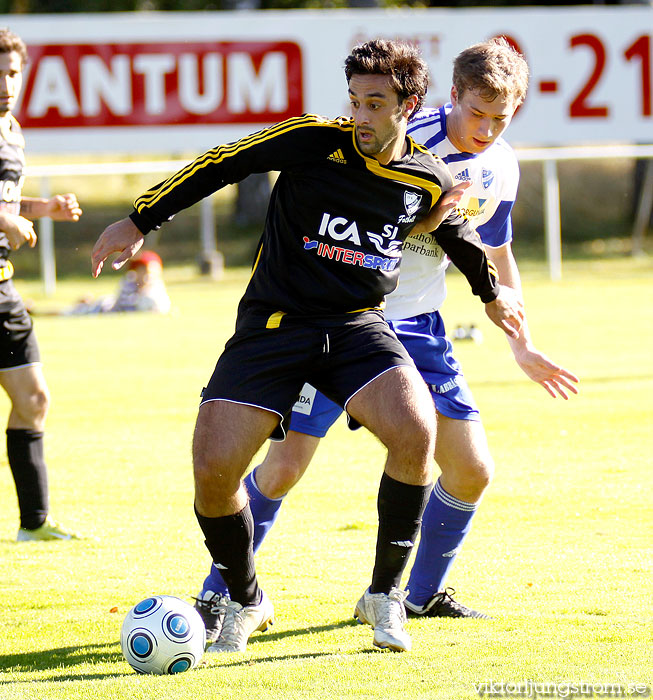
x,y
161,635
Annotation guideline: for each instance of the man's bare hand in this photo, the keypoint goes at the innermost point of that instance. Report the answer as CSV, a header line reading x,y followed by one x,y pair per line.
x,y
556,380
122,237
441,210
506,311
64,207
18,230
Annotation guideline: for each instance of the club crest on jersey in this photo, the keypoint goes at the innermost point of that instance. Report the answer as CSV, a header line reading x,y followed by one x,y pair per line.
x,y
487,178
412,200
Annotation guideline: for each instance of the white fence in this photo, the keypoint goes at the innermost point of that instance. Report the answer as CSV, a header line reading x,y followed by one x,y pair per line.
x,y
549,158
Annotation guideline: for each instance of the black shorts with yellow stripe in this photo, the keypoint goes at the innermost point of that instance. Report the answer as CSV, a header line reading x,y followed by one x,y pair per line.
x,y
267,367
18,346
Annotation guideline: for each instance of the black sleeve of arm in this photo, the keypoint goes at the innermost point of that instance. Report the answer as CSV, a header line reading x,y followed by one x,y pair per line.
x,y
457,237
145,222
282,145
186,187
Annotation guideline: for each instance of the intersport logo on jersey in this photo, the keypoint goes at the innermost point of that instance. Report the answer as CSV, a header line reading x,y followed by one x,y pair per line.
x,y
338,228
134,84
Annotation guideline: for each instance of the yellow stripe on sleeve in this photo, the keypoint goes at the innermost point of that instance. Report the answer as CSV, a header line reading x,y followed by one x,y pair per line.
x,y
218,154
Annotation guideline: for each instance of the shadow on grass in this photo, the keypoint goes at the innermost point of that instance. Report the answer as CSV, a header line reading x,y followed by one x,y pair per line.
x,y
238,660
93,654
249,661
63,657
274,636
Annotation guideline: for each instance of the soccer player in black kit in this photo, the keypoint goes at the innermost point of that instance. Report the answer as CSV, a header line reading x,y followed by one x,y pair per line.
x,y
21,375
348,194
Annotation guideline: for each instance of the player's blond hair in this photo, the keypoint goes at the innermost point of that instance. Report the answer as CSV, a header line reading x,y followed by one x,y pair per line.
x,y
490,69
400,61
12,42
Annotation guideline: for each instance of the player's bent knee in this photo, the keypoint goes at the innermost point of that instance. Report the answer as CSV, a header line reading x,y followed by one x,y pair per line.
x,y
482,470
31,408
410,452
40,402
217,467
414,434
480,475
468,481
276,481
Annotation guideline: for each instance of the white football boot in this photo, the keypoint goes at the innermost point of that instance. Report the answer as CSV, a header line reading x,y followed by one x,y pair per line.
x,y
239,623
386,613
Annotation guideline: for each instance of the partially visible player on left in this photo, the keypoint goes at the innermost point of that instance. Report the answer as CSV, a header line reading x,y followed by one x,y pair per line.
x,y
21,374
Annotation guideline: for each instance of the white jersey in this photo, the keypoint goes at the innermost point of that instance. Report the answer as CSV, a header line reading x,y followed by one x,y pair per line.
x,y
487,203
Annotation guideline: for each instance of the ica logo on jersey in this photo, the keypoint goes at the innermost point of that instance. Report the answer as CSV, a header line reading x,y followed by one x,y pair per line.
x,y
338,228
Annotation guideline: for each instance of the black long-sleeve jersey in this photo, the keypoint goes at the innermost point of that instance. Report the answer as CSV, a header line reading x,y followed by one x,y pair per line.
x,y
12,162
336,221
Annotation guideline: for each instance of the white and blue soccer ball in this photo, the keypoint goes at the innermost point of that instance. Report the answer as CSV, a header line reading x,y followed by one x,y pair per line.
x,y
162,635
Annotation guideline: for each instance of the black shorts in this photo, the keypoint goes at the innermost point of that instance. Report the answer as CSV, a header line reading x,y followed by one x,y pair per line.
x,y
267,368
18,346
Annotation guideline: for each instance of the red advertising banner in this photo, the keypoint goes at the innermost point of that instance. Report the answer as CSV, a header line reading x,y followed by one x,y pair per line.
x,y
156,82
138,84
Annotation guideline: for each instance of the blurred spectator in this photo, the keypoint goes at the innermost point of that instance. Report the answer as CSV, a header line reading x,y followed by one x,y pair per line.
x,y
142,289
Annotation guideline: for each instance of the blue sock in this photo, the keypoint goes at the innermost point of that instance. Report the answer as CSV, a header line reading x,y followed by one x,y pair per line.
x,y
264,511
445,523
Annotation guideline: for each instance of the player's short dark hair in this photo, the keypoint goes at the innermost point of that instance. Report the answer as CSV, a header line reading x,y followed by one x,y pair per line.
x,y
12,42
400,61
490,69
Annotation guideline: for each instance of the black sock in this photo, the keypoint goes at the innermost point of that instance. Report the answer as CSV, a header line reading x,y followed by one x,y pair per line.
x,y
229,540
25,455
400,509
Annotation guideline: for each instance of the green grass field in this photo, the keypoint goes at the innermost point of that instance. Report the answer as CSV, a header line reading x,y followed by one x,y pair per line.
x,y
560,552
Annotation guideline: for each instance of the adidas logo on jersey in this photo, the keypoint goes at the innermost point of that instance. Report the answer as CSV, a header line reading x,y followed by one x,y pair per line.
x,y
338,157
463,176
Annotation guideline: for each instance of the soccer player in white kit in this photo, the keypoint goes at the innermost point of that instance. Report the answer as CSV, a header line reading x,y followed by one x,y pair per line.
x,y
489,83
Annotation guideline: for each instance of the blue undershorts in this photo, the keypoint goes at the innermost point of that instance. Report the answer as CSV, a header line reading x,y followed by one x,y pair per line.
x,y
424,338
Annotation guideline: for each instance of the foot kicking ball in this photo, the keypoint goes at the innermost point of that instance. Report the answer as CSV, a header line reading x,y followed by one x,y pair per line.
x,y
162,635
